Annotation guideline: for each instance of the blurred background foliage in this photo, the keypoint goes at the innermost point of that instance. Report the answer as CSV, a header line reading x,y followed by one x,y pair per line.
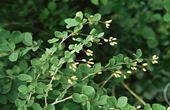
x,y
136,24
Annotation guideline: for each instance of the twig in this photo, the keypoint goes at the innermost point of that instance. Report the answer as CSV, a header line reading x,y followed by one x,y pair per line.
x,y
104,83
66,38
62,100
134,94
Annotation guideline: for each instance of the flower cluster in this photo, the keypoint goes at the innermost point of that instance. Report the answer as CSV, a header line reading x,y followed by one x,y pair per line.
x,y
112,41
72,79
73,66
89,52
144,65
107,23
118,74
134,66
155,59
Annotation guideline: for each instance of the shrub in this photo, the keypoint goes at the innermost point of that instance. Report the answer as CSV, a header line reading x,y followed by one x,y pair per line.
x,y
80,67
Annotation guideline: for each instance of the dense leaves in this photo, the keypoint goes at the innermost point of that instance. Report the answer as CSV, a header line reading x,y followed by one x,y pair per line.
x,y
55,57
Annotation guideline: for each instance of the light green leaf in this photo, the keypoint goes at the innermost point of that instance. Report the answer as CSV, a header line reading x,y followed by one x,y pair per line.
x,y
104,2
27,39
97,67
88,105
53,40
138,53
78,98
158,107
14,56
122,102
71,22
20,103
78,47
112,101
103,100
78,28
23,89
24,77
58,34
79,15
95,18
95,2
11,45
147,107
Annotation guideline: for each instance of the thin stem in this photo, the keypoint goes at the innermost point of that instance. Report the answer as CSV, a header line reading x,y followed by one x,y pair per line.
x,y
62,100
87,76
134,94
66,38
104,83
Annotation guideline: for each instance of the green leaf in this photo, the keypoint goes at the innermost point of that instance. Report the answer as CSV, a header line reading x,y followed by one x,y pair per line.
x,y
58,34
36,106
95,2
138,53
166,17
78,47
12,45
112,62
50,107
88,105
52,6
78,28
14,56
44,14
95,18
17,36
71,22
89,91
103,100
167,5
158,107
20,103
78,98
122,102
3,99
27,38
147,107
53,40
23,89
112,101
79,15
104,2
24,77
97,67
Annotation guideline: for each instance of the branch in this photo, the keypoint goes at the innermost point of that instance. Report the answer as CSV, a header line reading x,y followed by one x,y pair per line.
x,y
62,100
134,94
104,83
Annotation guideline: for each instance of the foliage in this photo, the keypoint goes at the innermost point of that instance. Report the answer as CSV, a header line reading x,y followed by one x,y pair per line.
x,y
63,60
